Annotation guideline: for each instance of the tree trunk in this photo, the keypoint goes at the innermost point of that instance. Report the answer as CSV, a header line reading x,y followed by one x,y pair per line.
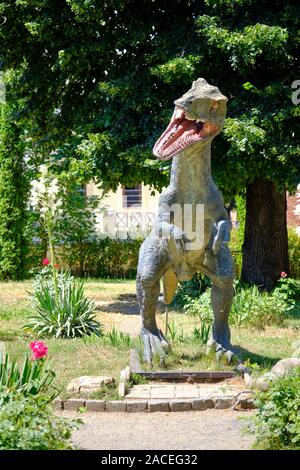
x,y
265,248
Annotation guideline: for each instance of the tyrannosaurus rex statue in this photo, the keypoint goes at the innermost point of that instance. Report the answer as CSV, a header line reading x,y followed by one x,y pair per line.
x,y
169,251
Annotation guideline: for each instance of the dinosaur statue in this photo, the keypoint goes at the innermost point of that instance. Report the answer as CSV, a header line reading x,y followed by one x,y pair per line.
x,y
169,252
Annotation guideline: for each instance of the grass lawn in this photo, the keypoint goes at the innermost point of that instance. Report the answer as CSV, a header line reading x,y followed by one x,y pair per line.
x,y
116,308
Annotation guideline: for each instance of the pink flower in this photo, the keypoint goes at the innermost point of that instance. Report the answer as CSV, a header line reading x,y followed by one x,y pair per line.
x,y
39,349
283,274
45,262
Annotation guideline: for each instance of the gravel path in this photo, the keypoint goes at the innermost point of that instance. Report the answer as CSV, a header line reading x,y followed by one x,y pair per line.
x,y
210,429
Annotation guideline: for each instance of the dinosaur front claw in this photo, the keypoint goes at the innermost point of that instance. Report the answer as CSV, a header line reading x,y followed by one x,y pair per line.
x,y
155,344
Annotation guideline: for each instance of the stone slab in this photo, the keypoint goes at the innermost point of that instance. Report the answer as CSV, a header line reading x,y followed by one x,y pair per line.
x,y
202,404
222,403
158,405
73,404
95,405
116,406
57,404
180,405
88,383
136,406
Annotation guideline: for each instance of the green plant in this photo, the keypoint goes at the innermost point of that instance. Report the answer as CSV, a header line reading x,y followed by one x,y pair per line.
x,y
117,338
29,423
100,257
173,333
63,310
277,422
242,305
294,252
106,392
193,288
13,244
137,379
289,289
237,234
200,307
201,335
34,378
257,309
250,307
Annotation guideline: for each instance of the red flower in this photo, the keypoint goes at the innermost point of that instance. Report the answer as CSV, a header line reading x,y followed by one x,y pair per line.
x,y
45,262
39,349
56,266
283,274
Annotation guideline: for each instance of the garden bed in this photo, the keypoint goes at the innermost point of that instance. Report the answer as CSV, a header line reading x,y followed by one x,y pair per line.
x,y
109,354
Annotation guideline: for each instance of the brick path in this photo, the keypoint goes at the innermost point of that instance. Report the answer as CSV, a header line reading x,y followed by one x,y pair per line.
x,y
183,390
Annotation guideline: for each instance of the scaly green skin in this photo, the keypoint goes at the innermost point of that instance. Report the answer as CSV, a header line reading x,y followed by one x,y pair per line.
x,y
171,257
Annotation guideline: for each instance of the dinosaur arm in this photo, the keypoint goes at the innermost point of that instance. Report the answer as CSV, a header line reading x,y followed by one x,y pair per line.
x,y
219,216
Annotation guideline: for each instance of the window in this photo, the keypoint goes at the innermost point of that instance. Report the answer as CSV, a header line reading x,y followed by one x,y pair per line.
x,y
82,189
132,197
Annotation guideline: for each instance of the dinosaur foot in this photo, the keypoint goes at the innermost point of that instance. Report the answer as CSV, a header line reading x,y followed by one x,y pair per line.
x,y
221,350
155,344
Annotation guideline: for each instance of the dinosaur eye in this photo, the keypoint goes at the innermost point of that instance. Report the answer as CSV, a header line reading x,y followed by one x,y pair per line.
x,y
214,105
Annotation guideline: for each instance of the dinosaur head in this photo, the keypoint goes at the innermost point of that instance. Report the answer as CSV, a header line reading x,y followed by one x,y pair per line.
x,y
198,117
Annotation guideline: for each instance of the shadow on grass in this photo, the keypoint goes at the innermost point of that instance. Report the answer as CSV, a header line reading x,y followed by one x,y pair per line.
x,y
263,361
6,336
294,314
126,308
129,306
126,297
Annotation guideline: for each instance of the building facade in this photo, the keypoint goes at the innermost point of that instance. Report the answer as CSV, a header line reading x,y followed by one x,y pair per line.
x,y
293,210
127,208
135,208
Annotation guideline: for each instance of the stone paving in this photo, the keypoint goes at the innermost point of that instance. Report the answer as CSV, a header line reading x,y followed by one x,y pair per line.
x,y
183,390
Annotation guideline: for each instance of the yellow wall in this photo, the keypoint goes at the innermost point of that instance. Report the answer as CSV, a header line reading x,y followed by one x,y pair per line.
x,y
114,200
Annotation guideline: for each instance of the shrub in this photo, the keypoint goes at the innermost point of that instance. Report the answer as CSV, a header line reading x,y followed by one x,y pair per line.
x,y
63,310
108,258
249,307
29,423
266,309
237,235
193,288
200,307
294,252
13,245
258,309
277,423
96,257
289,289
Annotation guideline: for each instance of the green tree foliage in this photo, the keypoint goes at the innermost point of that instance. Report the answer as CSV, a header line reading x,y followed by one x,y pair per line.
x,y
12,190
97,81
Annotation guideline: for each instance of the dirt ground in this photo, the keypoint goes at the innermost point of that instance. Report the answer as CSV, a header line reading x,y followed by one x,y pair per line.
x,y
203,430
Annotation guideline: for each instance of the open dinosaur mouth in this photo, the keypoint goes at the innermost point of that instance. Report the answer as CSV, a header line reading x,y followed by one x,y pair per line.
x,y
182,132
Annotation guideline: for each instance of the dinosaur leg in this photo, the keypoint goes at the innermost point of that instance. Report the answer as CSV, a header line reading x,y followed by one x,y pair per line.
x,y
153,262
221,299
220,268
